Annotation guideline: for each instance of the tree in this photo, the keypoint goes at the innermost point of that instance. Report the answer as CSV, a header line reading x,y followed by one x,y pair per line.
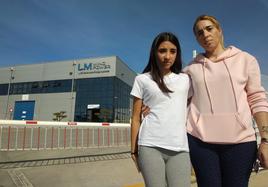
x,y
58,116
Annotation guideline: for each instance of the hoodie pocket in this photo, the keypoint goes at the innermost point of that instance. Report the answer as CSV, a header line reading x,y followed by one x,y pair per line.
x,y
220,128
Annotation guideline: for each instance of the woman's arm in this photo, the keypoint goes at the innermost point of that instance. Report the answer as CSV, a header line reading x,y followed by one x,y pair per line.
x,y
261,119
256,95
259,107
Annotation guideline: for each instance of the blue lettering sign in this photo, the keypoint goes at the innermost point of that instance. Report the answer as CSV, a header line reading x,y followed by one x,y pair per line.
x,y
93,67
79,68
88,66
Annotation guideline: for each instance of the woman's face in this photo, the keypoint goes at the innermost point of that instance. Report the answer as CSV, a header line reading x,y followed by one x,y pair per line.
x,y
166,55
207,35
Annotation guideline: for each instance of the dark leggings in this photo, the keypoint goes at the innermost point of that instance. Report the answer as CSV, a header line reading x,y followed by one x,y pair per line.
x,y
218,165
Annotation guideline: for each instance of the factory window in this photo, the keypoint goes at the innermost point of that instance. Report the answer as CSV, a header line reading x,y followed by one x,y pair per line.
x,y
3,89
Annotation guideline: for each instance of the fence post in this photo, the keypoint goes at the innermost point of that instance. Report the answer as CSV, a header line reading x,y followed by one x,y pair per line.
x,y
38,138
24,137
8,139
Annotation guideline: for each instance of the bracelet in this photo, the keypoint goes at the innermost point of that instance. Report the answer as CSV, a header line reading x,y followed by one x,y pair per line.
x,y
133,153
264,140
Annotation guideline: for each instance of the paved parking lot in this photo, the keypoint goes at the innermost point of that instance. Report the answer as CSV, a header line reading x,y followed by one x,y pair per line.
x,y
111,167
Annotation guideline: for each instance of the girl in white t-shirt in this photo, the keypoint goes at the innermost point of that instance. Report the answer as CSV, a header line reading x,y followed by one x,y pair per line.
x,y
159,145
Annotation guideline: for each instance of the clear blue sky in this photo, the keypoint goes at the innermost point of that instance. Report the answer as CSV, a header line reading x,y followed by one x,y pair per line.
x,y
36,31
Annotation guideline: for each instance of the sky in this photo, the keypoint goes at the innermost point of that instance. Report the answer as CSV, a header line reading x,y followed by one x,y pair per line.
x,y
41,31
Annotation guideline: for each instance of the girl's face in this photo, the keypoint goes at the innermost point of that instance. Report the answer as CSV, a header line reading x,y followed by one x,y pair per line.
x,y
207,35
166,55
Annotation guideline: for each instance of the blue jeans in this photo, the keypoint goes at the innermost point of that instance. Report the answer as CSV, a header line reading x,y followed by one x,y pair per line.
x,y
222,165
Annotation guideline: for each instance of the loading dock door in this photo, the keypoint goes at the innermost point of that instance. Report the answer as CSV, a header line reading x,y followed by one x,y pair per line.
x,y
93,112
24,110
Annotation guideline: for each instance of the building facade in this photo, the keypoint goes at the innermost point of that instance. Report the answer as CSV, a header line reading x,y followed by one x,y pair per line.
x,y
93,90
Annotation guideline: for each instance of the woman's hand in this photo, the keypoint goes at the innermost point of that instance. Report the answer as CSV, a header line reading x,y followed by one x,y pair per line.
x,y
145,110
135,160
263,155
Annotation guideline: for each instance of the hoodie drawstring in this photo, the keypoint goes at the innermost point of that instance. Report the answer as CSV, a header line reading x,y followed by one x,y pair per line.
x,y
232,83
209,95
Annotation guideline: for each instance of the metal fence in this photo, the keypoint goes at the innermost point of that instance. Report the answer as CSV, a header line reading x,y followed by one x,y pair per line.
x,y
41,135
44,135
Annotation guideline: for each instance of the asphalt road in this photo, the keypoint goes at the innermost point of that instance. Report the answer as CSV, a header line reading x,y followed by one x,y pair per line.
x,y
92,168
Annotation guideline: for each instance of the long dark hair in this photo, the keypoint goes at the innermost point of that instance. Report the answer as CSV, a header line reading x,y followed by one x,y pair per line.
x,y
153,66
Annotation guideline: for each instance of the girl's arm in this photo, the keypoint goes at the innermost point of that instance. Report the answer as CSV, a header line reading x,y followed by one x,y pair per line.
x,y
135,124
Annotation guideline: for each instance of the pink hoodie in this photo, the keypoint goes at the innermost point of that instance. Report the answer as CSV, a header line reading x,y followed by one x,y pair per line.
x,y
225,95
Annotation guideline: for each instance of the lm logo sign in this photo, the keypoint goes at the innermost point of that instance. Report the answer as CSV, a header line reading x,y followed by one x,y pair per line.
x,y
86,68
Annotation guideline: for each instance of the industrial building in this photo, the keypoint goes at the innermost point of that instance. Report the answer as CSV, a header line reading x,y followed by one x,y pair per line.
x,y
92,89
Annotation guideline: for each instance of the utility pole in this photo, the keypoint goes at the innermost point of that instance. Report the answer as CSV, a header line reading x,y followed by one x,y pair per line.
x,y
11,69
71,116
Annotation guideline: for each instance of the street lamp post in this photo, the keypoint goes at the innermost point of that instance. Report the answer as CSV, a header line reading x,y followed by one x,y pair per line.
x,y
114,108
11,69
72,92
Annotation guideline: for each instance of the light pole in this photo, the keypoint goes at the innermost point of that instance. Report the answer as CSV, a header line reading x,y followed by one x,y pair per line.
x,y
114,108
72,92
11,69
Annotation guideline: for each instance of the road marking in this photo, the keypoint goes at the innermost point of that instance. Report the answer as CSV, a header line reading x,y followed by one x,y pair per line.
x,y
67,160
136,185
19,178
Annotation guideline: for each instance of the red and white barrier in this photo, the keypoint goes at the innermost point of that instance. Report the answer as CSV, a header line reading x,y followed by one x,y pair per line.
x,y
57,123
36,135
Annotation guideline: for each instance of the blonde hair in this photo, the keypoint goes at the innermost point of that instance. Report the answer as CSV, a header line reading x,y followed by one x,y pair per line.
x,y
213,20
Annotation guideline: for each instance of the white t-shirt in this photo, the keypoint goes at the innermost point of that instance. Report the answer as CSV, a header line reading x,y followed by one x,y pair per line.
x,y
165,125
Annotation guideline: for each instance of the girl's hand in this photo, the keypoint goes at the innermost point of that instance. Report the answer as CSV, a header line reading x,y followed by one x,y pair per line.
x,y
135,160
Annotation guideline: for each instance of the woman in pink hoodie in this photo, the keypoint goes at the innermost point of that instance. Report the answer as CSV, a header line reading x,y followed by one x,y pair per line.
x,y
226,93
